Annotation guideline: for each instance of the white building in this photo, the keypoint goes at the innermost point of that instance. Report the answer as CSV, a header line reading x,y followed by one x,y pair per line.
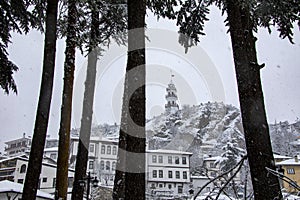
x,y
107,161
168,173
92,156
14,169
211,168
102,158
18,146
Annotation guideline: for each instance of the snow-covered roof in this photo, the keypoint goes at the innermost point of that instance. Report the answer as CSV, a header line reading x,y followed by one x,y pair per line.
x,y
8,186
201,177
17,140
292,161
23,156
51,149
276,156
214,158
167,151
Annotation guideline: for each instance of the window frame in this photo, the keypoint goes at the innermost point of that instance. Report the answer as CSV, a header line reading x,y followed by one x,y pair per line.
x,y
103,149
154,174
177,174
160,159
154,159
160,173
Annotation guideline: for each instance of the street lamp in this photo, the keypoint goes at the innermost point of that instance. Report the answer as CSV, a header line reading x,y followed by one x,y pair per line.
x,y
89,179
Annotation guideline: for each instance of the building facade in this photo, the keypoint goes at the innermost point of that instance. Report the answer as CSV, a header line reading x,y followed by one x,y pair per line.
x,y
18,146
168,173
14,169
290,169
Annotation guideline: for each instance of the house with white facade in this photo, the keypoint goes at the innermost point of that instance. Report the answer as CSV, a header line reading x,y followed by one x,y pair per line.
x,y
168,173
18,146
102,158
211,168
107,161
14,169
93,149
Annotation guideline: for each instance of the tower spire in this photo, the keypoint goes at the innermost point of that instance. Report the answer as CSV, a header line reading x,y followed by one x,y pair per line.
x,y
171,97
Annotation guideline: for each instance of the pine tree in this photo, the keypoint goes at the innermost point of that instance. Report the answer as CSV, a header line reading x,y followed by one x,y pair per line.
x,y
42,116
108,21
130,173
15,16
66,108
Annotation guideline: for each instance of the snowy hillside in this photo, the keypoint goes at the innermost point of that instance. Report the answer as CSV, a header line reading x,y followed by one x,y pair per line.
x,y
202,129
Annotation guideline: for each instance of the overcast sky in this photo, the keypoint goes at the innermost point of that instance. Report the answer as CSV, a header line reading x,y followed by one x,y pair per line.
x,y
206,73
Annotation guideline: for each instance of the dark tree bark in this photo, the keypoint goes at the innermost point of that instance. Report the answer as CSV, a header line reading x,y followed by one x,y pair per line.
x,y
42,116
66,108
87,111
255,124
130,173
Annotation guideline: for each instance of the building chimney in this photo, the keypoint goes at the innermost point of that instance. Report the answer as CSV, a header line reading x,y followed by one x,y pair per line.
x,y
296,158
24,134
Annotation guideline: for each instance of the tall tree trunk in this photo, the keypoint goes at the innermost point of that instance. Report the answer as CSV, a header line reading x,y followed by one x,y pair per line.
x,y
255,124
66,108
42,116
87,110
130,173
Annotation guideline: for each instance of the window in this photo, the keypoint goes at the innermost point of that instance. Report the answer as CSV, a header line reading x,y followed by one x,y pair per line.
x,y
177,173
184,160
160,174
70,181
160,159
154,158
91,164
109,150
179,189
20,181
170,186
154,173
92,148
53,156
102,149
54,182
184,175
213,174
290,171
160,185
176,160
170,159
44,179
170,174
102,165
107,165
114,151
23,168
211,165
113,166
